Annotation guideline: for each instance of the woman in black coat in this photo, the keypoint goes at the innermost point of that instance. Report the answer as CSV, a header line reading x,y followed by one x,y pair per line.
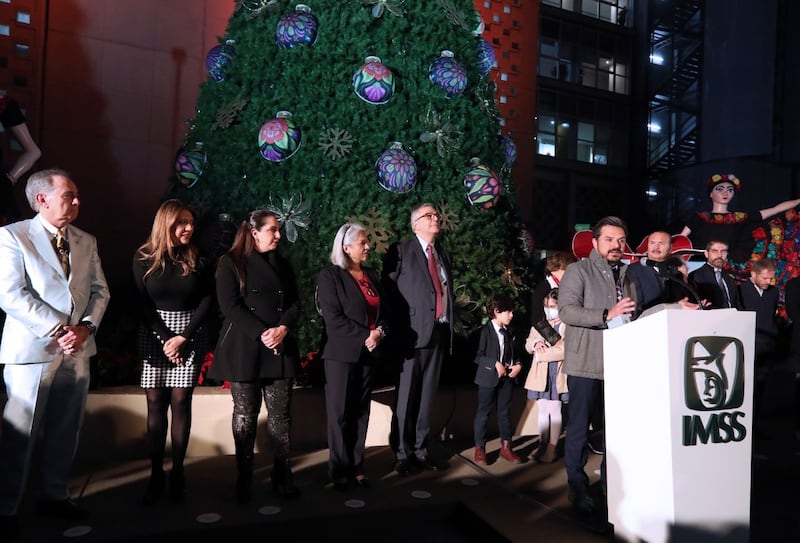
x,y
256,352
351,304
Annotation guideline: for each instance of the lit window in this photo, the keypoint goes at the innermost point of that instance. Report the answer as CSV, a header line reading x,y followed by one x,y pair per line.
x,y
504,77
503,100
24,17
21,49
5,30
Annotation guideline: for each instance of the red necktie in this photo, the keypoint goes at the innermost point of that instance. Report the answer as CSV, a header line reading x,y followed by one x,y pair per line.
x,y
433,269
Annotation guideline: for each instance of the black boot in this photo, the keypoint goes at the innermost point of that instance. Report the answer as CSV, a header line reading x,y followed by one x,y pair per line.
x,y
177,486
283,480
155,487
244,479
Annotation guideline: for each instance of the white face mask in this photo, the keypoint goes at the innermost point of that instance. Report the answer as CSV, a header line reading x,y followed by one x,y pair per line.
x,y
550,313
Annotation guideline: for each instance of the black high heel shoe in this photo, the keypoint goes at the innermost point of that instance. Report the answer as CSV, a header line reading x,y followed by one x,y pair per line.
x,y
283,481
177,487
155,488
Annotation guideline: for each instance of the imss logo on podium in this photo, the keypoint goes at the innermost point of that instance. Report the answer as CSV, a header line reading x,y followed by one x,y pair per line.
x,y
714,388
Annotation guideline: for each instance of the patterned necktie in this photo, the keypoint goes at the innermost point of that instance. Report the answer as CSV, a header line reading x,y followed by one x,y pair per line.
x,y
723,287
62,250
433,270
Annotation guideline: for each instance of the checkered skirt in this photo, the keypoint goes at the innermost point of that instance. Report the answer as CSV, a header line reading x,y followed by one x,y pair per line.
x,y
157,370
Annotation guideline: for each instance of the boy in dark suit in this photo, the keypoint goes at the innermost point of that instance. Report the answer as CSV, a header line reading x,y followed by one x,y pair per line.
x,y
495,376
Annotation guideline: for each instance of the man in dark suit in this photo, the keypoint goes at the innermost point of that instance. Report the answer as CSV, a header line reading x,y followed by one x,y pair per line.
x,y
759,295
711,282
418,281
54,296
656,281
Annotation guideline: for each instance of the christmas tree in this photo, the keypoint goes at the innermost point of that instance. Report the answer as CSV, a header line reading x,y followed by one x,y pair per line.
x,y
334,111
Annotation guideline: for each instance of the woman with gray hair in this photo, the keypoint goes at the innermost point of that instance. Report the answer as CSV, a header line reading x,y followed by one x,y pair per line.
x,y
352,308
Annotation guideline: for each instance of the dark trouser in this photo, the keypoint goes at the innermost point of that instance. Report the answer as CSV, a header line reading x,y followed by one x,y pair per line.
x,y
416,391
584,394
486,398
348,395
277,395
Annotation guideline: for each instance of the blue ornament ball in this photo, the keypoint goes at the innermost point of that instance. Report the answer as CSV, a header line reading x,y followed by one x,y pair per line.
x,y
218,58
510,149
299,27
396,169
486,57
448,74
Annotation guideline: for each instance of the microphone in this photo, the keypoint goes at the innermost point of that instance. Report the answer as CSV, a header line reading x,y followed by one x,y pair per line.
x,y
672,274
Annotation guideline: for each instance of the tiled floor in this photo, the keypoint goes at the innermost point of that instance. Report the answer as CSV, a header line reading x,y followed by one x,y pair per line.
x,y
466,502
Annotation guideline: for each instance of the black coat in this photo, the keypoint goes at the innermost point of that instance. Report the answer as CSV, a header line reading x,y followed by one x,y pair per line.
x,y
765,306
344,311
269,299
487,356
704,281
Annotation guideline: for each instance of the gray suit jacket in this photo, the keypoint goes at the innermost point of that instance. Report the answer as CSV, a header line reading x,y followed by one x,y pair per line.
x,y
36,295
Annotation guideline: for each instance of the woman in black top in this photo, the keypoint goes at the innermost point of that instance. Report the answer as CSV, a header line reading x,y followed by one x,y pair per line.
x,y
351,305
175,289
256,351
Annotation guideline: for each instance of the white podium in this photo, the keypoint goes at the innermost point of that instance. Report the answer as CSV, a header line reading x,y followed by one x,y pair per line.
x,y
678,415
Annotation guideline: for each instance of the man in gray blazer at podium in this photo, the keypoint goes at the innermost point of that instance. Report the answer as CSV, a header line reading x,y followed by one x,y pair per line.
x,y
419,286
594,294
54,293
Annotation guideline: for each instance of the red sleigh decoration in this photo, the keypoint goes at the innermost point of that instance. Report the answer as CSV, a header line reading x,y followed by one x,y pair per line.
x,y
681,246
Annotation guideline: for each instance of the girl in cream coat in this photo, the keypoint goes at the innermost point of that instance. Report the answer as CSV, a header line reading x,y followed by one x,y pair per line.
x,y
546,383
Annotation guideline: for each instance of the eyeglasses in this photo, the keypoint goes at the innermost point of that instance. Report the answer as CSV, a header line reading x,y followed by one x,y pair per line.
x,y
429,216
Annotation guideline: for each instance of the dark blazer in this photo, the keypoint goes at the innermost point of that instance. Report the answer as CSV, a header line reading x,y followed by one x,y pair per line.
x,y
409,288
269,299
704,282
344,310
791,291
487,356
765,307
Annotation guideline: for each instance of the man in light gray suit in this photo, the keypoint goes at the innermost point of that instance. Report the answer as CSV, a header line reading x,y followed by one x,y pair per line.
x,y
54,294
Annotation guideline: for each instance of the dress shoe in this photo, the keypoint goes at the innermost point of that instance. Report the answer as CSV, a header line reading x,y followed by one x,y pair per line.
x,y
63,509
402,467
9,528
341,484
155,488
362,481
428,463
480,456
507,454
581,500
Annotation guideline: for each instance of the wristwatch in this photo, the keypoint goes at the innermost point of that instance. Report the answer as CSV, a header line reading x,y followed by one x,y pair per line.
x,y
92,328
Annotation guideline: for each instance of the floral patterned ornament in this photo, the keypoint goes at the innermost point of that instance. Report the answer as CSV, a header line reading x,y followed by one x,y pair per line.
x,y
291,215
379,6
510,276
335,142
441,132
375,226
